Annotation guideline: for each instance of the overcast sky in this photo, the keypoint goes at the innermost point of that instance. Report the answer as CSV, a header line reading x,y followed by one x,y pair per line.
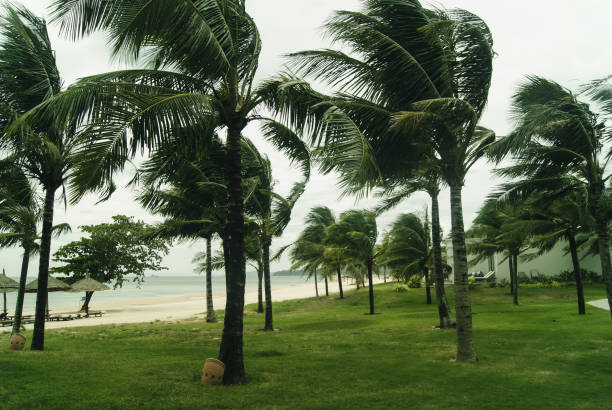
x,y
565,40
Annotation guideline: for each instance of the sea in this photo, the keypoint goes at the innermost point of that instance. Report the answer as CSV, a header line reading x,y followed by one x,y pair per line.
x,y
152,287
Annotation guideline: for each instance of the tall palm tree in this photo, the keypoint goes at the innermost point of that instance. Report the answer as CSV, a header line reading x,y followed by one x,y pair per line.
x,y
409,251
353,240
201,58
557,146
427,72
45,151
428,181
272,214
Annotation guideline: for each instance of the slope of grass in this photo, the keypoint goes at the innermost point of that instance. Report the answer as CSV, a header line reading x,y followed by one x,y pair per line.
x,y
328,354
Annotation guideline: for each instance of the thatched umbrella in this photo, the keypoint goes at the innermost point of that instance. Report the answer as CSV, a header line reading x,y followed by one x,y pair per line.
x,y
53,285
7,285
88,285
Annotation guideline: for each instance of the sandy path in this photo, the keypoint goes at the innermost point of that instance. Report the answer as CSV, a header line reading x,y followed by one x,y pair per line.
x,y
176,308
602,304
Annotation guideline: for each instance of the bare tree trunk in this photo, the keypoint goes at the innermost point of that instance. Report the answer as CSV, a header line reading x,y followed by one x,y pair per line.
x,y
463,306
427,288
230,351
511,269
340,282
210,309
577,275
370,287
515,266
38,337
267,285
385,274
4,309
85,307
326,287
316,284
260,307
444,312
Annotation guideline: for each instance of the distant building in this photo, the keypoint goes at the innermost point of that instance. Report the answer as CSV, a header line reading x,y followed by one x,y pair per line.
x,y
549,264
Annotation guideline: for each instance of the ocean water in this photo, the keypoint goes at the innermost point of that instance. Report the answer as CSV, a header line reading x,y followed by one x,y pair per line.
x,y
152,287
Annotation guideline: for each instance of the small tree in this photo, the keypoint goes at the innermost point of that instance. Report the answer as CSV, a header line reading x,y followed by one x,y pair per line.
x,y
111,252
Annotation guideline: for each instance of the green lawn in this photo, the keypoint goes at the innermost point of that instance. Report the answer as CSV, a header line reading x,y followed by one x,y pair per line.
x,y
328,354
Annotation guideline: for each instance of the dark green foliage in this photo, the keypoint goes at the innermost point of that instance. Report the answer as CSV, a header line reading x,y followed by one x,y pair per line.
x,y
112,251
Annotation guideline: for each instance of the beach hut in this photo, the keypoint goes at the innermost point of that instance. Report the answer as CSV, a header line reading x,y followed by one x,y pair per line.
x,y
88,285
53,285
7,285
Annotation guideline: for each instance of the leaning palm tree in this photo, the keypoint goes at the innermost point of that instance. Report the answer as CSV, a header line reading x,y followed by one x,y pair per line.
x,y
428,181
45,151
557,146
201,58
353,240
427,72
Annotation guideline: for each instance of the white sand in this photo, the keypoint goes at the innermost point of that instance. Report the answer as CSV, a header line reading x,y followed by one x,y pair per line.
x,y
171,309
602,304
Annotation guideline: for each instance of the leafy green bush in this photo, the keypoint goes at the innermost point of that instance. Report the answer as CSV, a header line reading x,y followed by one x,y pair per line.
x,y
472,283
568,276
414,281
401,288
503,283
492,284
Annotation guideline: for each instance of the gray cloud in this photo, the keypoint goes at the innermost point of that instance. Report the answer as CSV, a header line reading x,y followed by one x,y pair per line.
x,y
564,40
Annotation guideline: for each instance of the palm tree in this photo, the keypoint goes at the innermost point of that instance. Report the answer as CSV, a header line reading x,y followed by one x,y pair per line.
x,y
19,218
550,221
353,240
271,216
498,227
557,145
427,72
202,57
428,181
45,151
409,251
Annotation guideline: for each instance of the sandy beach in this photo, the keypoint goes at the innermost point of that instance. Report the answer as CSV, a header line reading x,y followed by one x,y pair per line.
x,y
171,309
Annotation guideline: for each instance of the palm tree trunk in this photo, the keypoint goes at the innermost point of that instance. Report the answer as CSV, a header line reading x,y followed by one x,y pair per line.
x,y
515,266
427,288
463,306
577,275
268,288
385,274
444,312
316,285
38,337
340,282
603,243
260,307
511,270
210,309
370,287
4,310
230,351
326,287
88,296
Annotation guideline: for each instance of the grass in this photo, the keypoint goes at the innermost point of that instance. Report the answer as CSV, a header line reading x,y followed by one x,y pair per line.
x,y
328,354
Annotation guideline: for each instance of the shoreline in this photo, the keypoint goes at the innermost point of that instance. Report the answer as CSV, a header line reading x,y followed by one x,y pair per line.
x,y
174,309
